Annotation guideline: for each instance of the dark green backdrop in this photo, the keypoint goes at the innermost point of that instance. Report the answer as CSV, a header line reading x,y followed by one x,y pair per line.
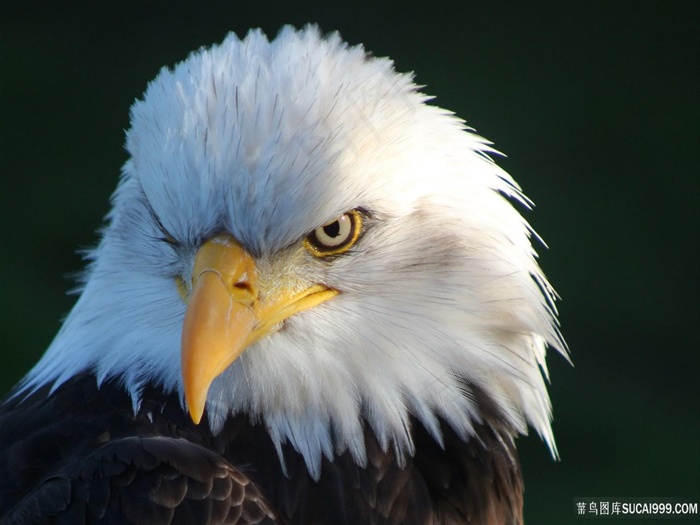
x,y
595,103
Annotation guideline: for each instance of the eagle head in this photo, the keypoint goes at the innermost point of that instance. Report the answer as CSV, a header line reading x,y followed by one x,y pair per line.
x,y
299,237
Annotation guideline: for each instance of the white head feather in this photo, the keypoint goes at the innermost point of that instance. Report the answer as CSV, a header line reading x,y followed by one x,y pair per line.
x,y
269,140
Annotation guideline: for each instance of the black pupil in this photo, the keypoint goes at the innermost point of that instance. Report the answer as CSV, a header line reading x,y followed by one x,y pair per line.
x,y
332,230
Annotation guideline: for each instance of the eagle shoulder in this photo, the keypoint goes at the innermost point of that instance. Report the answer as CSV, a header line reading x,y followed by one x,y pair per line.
x,y
67,461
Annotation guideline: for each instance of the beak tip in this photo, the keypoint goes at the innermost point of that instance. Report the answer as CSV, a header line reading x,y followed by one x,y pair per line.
x,y
195,413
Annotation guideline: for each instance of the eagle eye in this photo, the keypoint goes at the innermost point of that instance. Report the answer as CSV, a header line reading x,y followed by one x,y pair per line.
x,y
336,236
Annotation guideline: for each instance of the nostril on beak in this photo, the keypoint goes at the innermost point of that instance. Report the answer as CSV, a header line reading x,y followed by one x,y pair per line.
x,y
244,286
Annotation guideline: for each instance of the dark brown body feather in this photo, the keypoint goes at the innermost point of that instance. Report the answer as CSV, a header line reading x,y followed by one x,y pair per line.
x,y
81,456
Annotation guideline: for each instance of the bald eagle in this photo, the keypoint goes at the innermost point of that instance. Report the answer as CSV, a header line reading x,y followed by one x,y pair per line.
x,y
313,303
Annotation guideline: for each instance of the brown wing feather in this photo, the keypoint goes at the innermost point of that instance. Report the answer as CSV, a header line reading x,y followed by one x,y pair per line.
x,y
80,455
69,467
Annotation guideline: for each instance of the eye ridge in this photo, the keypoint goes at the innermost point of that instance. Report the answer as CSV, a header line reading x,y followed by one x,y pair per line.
x,y
335,237
166,236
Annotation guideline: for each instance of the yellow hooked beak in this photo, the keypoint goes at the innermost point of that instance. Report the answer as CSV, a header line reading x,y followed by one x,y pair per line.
x,y
225,314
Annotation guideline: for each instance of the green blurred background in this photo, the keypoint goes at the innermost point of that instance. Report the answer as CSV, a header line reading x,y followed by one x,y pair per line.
x,y
595,103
